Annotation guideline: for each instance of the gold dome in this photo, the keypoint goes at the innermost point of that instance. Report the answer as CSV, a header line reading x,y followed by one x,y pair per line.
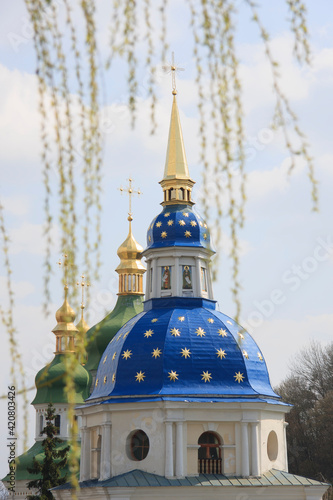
x,y
65,328
130,269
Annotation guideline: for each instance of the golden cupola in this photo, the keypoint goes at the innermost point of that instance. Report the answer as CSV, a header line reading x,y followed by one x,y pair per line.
x,y
130,269
176,183
65,330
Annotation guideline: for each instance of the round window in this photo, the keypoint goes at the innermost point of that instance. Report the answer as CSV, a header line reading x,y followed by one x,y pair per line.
x,y
272,446
138,445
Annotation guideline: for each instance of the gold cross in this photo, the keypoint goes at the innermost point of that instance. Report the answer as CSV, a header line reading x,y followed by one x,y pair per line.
x,y
172,68
130,191
82,284
64,263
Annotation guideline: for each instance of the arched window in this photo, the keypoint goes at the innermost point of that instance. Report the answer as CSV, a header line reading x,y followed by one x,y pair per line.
x,y
57,423
209,454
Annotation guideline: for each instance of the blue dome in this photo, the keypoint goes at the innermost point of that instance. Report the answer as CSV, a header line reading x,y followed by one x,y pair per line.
x,y
178,225
182,348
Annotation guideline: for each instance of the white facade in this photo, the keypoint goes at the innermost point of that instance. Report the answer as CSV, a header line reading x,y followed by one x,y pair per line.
x,y
252,437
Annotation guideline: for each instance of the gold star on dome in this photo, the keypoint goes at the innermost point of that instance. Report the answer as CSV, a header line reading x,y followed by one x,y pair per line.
x,y
113,377
186,352
205,236
105,359
222,333
245,354
170,222
259,356
206,376
239,377
148,333
96,383
210,320
167,214
139,377
105,379
125,335
185,214
175,332
149,238
193,223
181,318
154,320
220,353
114,356
182,222
205,225
119,337
229,322
173,375
200,332
111,340
156,353
241,336
201,224
164,234
188,234
127,354
158,224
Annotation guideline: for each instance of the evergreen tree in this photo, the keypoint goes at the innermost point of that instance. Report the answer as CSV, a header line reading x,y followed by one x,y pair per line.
x,y
55,460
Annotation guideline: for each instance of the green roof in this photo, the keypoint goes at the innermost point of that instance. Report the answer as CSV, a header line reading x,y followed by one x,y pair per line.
x,y
99,336
26,460
51,384
138,478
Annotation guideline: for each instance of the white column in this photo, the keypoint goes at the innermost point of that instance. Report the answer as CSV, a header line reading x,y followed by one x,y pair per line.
x,y
105,470
168,450
285,425
154,292
197,291
255,449
177,279
245,449
85,454
179,450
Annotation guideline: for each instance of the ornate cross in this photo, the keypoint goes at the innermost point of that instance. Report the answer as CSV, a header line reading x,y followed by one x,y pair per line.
x,y
130,191
82,284
172,68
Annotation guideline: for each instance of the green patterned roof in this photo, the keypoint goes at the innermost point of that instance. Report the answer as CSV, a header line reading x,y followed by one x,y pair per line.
x,y
50,382
99,336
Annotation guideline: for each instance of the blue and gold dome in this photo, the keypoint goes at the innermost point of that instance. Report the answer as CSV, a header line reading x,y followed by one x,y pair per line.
x,y
178,225
182,348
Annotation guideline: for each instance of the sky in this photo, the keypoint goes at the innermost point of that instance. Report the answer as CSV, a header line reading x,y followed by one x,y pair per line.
x,y
286,270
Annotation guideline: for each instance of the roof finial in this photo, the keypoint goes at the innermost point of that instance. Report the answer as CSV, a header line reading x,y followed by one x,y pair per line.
x,y
64,263
130,191
172,68
82,284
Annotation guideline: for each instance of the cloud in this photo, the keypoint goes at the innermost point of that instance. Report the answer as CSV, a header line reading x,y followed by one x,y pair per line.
x,y
29,238
21,289
16,205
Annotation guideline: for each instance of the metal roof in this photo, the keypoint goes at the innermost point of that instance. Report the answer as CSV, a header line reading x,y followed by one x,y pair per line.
x,y
138,478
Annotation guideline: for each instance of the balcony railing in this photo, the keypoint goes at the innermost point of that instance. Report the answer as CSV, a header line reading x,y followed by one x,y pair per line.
x,y
210,465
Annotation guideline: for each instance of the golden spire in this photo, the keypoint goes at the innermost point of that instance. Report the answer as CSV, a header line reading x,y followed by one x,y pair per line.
x,y
176,184
65,316
130,269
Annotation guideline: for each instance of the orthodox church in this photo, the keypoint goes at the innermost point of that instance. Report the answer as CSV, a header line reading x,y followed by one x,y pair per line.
x,y
174,399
